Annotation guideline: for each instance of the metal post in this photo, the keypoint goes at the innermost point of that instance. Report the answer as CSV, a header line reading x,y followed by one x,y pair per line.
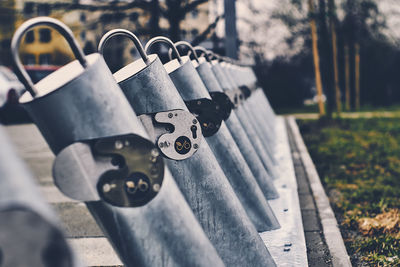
x,y
206,72
231,39
245,122
29,232
149,90
77,103
193,91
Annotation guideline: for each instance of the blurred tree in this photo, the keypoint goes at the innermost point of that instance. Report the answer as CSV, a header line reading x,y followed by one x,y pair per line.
x,y
314,37
332,22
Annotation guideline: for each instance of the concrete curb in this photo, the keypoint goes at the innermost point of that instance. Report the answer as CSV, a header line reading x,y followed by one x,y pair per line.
x,y
329,224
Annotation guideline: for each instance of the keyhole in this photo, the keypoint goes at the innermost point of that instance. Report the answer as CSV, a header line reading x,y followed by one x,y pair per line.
x,y
194,131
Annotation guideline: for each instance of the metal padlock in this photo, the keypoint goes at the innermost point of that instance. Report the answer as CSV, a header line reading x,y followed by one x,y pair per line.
x,y
149,89
257,125
206,72
190,85
29,230
82,101
246,120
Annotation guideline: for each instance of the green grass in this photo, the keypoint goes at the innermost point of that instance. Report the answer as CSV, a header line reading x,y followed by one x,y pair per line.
x,y
314,109
358,161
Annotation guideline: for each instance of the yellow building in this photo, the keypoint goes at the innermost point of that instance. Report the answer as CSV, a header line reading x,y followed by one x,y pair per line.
x,y
44,46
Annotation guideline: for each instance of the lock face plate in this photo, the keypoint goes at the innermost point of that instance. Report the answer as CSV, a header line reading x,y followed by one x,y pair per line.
x,y
235,96
224,104
139,176
208,113
246,91
184,134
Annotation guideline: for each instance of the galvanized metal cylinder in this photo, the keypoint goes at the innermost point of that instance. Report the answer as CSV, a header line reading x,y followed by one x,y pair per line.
x,y
29,232
149,89
77,103
264,125
260,115
238,133
246,123
252,116
191,87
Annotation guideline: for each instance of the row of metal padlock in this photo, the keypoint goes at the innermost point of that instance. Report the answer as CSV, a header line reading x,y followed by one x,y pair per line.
x,y
175,161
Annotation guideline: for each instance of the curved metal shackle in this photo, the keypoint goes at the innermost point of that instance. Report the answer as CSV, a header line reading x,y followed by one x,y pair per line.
x,y
162,39
110,34
190,47
52,23
204,52
212,55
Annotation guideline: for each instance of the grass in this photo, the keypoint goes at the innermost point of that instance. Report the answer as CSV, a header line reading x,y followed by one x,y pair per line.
x,y
313,109
358,161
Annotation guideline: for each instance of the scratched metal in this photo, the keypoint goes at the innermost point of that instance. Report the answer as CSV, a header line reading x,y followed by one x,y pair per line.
x,y
191,87
29,232
257,125
263,119
246,122
292,231
149,89
240,137
89,105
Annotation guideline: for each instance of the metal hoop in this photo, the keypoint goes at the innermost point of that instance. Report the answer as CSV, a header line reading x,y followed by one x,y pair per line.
x,y
204,51
106,37
188,45
162,39
25,27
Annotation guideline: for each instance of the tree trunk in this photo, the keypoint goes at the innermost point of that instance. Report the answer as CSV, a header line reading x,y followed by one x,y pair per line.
x,y
332,22
174,16
357,74
347,71
155,18
314,37
326,63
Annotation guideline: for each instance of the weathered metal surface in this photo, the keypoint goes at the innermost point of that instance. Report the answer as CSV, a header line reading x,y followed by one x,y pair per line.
x,y
256,125
246,123
207,73
190,86
149,89
265,126
79,103
29,233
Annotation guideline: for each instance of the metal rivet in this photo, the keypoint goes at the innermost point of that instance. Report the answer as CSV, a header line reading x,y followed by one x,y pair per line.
x,y
170,115
106,188
161,144
194,121
195,146
119,144
156,187
154,152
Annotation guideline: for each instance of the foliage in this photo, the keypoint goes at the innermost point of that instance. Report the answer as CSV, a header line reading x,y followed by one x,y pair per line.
x,y
358,161
360,22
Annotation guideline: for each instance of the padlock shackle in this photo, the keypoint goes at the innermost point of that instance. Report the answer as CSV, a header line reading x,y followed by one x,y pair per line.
x,y
106,37
204,51
162,39
190,47
24,28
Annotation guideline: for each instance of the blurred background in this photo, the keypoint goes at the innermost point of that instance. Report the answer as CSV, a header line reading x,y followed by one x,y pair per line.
x,y
357,49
